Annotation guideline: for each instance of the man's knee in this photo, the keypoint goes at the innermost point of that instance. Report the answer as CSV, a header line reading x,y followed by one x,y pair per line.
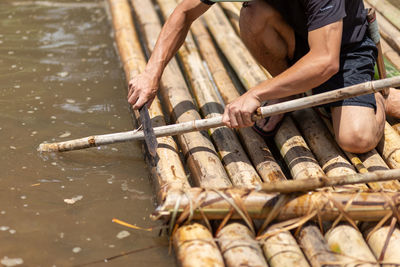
x,y
357,140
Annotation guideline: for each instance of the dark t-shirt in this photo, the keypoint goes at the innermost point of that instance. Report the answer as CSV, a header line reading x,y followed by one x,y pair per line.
x,y
308,15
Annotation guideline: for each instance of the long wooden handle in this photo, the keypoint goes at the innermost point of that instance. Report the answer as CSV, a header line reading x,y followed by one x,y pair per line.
x,y
198,125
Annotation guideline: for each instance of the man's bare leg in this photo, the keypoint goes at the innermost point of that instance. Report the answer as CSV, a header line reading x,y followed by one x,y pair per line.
x,y
270,40
392,103
359,129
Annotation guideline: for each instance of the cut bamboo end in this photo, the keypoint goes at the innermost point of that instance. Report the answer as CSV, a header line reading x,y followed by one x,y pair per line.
x,y
350,244
384,246
239,247
195,247
316,248
282,250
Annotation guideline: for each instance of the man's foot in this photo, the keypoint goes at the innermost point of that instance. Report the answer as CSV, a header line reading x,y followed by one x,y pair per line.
x,y
392,103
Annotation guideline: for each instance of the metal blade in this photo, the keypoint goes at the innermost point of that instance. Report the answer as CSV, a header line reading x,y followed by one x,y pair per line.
x,y
149,136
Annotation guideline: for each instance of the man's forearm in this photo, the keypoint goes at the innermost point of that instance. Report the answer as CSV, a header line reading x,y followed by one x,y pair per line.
x,y
309,72
173,35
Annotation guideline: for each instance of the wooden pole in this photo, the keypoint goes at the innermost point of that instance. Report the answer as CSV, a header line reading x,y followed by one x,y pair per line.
x,y
239,247
303,185
195,247
167,169
198,125
205,166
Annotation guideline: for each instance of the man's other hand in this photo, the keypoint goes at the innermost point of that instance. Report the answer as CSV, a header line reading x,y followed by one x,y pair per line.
x,y
142,89
238,113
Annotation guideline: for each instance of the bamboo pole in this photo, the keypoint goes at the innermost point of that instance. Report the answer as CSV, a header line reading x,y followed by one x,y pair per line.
x,y
308,184
216,204
318,137
195,247
295,152
255,145
389,147
390,54
239,247
233,48
233,13
316,248
167,169
388,10
236,162
303,165
374,162
204,163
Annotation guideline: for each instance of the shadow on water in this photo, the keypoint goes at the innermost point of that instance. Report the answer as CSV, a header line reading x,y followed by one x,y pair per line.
x,y
60,79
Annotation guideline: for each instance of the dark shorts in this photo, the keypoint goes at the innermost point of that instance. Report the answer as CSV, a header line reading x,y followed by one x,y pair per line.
x,y
357,62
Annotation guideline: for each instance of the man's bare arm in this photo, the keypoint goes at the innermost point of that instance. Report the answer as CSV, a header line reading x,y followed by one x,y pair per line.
x,y
143,88
316,67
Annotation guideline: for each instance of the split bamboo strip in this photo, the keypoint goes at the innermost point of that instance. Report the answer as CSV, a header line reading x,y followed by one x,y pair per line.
x,y
167,169
389,147
216,204
349,243
195,247
314,183
236,162
303,165
388,10
377,242
239,247
233,13
389,32
205,166
255,145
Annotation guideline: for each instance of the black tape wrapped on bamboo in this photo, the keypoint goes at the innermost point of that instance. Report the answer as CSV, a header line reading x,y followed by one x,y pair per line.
x,y
246,160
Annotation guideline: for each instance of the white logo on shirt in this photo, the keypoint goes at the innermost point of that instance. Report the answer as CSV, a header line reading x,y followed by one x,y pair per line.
x,y
326,8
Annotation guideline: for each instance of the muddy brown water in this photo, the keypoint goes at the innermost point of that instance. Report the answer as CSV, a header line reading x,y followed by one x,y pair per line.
x,y
61,79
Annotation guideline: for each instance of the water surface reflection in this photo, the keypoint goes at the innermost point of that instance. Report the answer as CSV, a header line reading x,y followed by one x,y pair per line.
x,y
60,79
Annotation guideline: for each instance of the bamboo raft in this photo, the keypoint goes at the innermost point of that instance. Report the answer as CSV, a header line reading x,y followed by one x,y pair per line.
x,y
205,181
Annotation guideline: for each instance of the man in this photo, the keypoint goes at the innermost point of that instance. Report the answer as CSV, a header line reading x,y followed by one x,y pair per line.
x,y
304,44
